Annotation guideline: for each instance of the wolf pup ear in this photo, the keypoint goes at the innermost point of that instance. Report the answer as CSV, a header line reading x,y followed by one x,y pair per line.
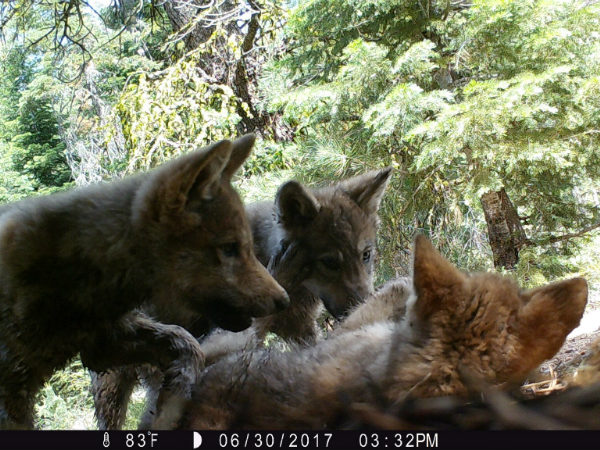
x,y
195,175
367,189
241,148
295,206
202,176
550,313
437,283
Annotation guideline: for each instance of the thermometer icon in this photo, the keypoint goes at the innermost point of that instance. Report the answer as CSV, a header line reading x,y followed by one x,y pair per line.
x,y
106,441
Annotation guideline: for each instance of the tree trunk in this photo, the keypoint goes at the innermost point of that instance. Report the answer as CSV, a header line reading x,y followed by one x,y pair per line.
x,y
181,14
241,82
505,231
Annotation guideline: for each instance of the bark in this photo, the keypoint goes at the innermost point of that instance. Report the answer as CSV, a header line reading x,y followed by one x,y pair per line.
x,y
241,83
181,14
505,231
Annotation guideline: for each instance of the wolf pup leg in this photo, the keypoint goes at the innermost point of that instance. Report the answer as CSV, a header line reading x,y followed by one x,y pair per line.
x,y
111,391
152,379
141,340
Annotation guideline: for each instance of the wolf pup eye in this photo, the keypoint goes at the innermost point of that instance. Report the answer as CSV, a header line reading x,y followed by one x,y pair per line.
x,y
330,262
230,250
366,256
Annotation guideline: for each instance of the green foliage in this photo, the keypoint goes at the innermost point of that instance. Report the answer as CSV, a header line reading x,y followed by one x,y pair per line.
x,y
174,113
135,409
16,75
29,128
527,123
135,46
507,37
39,151
461,100
13,185
321,30
268,157
65,401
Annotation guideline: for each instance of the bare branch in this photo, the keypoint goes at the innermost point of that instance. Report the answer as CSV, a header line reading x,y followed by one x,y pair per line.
x,y
554,239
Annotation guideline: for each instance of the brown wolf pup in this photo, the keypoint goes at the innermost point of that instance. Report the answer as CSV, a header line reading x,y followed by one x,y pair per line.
x,y
455,323
73,266
319,245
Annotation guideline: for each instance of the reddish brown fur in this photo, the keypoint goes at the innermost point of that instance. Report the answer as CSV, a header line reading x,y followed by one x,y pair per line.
x,y
479,324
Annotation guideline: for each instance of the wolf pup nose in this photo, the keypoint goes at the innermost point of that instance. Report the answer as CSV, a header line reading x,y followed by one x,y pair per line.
x,y
282,302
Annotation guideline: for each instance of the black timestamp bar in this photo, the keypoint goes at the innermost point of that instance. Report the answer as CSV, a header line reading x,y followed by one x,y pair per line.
x,y
344,439
319,440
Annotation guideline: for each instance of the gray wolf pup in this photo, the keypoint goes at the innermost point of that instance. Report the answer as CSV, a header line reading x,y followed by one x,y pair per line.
x,y
320,245
74,266
454,324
